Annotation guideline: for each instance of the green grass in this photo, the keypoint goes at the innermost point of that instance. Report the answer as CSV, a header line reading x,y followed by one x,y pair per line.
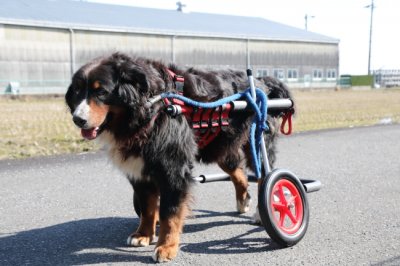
x,y
347,108
38,126
34,126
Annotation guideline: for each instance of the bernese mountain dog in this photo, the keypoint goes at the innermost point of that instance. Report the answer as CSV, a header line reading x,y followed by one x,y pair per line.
x,y
108,99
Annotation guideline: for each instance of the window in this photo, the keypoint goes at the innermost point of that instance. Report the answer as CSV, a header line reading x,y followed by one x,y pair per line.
x,y
331,74
261,73
317,74
279,74
292,74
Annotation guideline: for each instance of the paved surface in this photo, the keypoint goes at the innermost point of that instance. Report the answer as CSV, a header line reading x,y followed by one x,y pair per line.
x,y
77,209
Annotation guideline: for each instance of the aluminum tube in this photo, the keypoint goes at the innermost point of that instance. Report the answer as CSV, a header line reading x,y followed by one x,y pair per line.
x,y
267,167
280,104
213,178
311,185
252,86
153,100
273,104
239,105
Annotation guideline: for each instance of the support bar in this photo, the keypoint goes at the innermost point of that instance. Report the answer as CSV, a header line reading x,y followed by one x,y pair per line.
x,y
308,184
273,104
311,185
212,178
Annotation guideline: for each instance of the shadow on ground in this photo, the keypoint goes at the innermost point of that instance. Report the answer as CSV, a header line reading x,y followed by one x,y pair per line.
x,y
102,240
242,242
75,242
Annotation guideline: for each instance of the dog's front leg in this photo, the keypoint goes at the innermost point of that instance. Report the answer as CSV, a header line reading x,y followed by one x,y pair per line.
x,y
173,210
148,196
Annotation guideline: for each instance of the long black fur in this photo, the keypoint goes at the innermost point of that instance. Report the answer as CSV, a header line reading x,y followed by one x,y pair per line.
x,y
168,145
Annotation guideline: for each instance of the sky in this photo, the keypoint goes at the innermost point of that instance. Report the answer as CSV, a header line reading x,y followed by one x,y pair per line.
x,y
346,20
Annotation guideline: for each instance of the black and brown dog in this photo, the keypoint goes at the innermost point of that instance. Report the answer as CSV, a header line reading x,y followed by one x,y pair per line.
x,y
108,100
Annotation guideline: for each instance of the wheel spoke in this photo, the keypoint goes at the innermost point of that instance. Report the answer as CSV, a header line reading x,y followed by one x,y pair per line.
x,y
281,218
291,216
282,195
278,206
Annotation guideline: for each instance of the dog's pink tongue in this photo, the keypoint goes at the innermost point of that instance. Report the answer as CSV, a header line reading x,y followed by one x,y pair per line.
x,y
89,133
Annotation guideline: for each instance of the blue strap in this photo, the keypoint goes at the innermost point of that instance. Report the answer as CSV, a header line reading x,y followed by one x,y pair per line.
x,y
210,105
258,125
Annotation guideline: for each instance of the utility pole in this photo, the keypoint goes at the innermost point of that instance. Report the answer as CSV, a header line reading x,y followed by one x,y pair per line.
x,y
180,7
306,21
372,7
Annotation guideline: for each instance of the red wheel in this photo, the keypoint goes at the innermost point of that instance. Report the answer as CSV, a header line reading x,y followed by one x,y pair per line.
x,y
287,206
283,207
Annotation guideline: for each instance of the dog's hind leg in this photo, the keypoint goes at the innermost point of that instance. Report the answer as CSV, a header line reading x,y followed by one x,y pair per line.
x,y
239,179
148,197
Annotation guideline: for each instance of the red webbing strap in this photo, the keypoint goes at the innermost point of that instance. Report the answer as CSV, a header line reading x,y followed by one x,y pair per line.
x,y
206,122
287,118
178,80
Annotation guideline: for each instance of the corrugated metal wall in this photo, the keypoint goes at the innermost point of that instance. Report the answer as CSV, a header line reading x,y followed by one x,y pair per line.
x,y
32,56
211,52
41,57
91,44
304,56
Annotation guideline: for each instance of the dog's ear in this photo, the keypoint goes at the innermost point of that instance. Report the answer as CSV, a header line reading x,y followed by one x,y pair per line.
x,y
132,74
131,83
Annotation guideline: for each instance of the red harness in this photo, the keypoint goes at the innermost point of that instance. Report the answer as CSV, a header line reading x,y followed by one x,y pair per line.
x,y
178,81
205,122
208,122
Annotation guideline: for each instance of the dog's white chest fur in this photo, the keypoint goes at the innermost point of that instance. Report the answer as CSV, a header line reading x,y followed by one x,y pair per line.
x,y
131,166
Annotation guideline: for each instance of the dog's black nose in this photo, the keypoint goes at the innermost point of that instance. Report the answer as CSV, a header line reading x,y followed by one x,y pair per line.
x,y
79,121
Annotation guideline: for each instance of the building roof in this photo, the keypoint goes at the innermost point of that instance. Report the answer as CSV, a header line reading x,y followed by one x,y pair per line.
x,y
106,17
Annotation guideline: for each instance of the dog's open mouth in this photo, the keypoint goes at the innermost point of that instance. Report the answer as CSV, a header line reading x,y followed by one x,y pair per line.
x,y
94,132
90,133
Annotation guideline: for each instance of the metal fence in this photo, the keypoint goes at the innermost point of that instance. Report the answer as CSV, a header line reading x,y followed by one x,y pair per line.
x,y
32,87
37,87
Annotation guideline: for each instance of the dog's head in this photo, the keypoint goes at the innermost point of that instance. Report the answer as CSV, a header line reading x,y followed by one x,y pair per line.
x,y
104,90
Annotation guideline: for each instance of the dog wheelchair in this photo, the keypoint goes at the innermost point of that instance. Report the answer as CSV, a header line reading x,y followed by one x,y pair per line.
x,y
282,199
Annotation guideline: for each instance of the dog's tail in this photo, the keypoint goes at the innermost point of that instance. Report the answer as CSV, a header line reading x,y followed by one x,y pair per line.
x,y
276,88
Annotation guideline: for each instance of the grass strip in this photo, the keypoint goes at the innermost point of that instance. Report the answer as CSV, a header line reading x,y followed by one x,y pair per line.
x,y
40,126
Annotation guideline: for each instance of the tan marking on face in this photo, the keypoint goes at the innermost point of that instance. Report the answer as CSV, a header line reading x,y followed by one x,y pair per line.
x,y
97,113
96,85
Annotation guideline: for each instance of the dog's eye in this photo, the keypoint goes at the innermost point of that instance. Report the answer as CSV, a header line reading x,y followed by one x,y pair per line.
x,y
101,92
77,90
78,86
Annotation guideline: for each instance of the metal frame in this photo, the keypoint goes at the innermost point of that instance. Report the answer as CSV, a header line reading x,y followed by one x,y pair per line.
x,y
273,104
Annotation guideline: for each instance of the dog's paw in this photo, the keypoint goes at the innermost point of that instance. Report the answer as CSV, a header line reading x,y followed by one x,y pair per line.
x,y
165,253
138,240
243,205
256,217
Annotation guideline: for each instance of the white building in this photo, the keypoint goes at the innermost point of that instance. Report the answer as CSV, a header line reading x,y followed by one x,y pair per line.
x,y
43,41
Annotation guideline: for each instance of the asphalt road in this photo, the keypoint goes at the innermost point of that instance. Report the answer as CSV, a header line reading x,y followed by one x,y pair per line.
x,y
77,209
